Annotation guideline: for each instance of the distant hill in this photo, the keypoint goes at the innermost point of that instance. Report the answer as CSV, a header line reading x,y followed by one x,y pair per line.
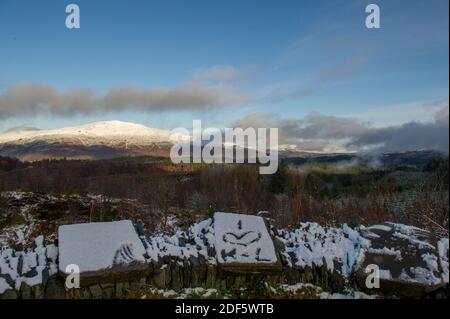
x,y
92,141
419,158
111,139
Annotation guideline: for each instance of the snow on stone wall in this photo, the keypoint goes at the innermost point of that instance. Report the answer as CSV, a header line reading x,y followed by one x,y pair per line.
x,y
242,239
405,254
183,244
30,267
313,245
97,246
443,256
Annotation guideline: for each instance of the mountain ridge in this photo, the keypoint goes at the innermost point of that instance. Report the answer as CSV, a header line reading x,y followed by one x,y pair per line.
x,y
95,129
90,141
109,139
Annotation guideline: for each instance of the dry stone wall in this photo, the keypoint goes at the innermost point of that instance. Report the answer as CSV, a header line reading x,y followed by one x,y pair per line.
x,y
227,251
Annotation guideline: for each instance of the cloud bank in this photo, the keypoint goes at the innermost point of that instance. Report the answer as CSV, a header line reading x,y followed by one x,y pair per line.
x,y
409,136
317,132
33,99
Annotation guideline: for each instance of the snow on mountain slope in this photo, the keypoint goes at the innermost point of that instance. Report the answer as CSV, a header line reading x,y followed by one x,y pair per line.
x,y
98,140
106,133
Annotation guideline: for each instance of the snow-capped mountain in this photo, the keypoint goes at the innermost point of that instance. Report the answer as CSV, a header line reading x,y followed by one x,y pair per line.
x,y
111,132
92,141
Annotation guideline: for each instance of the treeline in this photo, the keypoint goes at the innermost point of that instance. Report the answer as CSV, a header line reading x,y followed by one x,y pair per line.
x,y
317,192
8,164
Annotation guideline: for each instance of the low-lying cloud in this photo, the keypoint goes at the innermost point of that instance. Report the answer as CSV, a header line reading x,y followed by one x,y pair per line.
x,y
317,132
409,136
34,99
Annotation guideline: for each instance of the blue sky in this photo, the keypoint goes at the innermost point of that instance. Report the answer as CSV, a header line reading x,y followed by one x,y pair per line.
x,y
285,57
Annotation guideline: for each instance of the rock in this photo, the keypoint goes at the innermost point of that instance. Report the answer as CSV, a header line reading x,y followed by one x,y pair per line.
x,y
79,293
198,272
176,275
407,258
187,273
55,288
181,242
97,254
244,245
9,294
290,276
211,276
139,229
38,291
32,273
413,263
25,291
96,291
159,279
121,289
20,264
108,291
8,279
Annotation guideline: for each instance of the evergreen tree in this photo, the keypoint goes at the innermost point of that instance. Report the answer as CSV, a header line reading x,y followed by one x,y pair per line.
x,y
279,182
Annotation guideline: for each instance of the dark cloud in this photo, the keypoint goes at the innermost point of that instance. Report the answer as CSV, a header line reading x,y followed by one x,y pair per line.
x,y
330,127
36,99
409,136
317,132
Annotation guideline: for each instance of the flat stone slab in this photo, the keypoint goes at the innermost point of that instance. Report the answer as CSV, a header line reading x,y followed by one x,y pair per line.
x,y
411,260
243,242
96,247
